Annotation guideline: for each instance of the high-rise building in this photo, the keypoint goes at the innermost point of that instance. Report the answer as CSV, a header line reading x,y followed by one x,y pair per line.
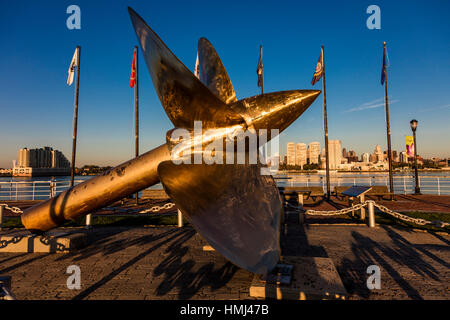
x,y
41,161
403,157
395,155
351,156
23,158
335,153
378,154
314,152
300,154
365,157
290,154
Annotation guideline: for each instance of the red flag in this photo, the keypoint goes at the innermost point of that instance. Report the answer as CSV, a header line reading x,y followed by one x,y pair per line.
x,y
133,72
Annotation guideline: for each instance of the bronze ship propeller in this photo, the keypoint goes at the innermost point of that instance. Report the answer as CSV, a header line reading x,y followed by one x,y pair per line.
x,y
232,205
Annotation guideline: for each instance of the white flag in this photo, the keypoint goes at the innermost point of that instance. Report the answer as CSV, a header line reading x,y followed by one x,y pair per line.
x,y
197,68
71,70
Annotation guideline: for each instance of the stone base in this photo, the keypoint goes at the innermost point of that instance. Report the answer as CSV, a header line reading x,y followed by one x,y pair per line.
x,y
312,279
51,242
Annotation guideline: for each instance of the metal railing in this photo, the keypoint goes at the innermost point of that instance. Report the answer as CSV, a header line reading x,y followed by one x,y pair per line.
x,y
403,184
33,190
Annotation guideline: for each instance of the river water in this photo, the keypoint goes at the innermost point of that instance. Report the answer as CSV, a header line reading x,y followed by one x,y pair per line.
x,y
37,188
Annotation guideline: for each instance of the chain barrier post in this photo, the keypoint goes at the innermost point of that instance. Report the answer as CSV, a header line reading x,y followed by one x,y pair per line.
x,y
362,211
180,219
301,216
371,208
89,221
350,204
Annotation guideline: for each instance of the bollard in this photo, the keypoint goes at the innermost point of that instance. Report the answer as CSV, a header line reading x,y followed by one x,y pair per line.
x,y
301,214
350,204
2,210
180,219
300,199
371,214
363,210
89,221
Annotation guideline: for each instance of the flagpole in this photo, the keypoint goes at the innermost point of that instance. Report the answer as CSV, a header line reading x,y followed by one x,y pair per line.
x,y
137,108
388,127
325,124
75,119
262,69
262,92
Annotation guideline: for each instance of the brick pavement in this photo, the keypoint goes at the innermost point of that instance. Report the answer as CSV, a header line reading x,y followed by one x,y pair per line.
x,y
168,263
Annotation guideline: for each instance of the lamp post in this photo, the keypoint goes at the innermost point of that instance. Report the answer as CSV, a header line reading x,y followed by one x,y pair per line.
x,y
414,124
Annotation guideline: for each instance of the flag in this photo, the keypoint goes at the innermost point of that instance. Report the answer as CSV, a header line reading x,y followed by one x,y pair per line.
x,y
133,71
410,146
319,69
259,70
71,70
383,69
197,68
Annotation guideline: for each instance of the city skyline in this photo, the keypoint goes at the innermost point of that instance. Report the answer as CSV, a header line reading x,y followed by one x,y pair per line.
x,y
36,107
347,148
299,154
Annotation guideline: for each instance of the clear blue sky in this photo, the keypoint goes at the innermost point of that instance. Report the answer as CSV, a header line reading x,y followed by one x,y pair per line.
x,y
36,105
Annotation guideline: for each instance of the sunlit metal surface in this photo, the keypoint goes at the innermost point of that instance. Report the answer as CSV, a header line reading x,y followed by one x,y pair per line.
x,y
184,98
97,192
233,206
213,73
276,110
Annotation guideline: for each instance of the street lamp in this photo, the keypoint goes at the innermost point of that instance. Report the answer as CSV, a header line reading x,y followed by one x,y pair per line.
x,y
414,124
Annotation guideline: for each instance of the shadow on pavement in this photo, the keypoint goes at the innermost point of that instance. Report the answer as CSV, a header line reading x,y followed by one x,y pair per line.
x,y
402,252
166,237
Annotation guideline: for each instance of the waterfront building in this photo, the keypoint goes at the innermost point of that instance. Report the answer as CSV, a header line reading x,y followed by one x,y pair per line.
x,y
40,162
403,157
365,157
300,154
335,153
395,156
290,154
379,156
314,152
351,156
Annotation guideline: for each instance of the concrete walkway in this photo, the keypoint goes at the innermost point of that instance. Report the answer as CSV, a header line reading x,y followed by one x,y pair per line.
x,y
168,263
